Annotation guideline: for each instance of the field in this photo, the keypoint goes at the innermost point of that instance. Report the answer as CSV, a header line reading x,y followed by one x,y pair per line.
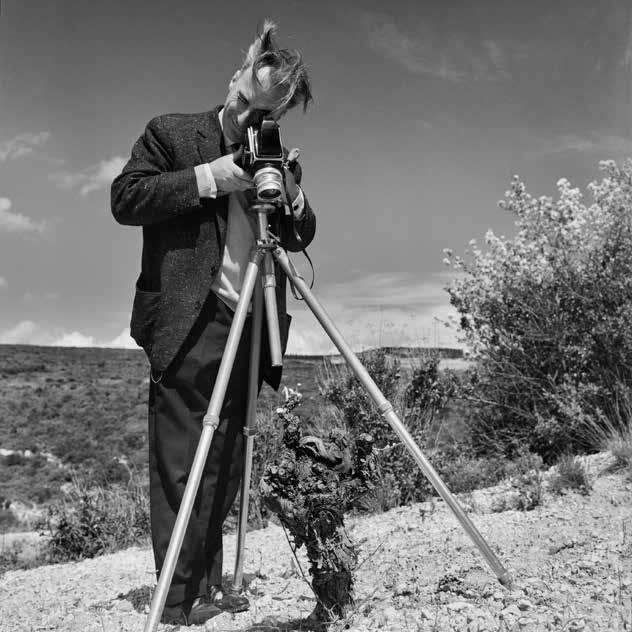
x,y
86,409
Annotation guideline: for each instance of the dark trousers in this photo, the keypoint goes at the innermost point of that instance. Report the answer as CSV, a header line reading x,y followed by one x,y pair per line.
x,y
177,404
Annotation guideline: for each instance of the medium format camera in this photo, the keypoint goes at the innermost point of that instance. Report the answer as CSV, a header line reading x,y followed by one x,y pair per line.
x,y
263,159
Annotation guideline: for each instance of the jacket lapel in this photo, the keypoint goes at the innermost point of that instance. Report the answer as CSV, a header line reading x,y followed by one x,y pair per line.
x,y
210,140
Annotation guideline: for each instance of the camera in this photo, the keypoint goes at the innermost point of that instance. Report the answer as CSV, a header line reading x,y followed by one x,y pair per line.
x,y
263,159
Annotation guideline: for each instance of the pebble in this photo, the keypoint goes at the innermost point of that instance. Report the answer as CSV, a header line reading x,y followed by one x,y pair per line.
x,y
523,622
458,606
424,613
525,604
576,624
475,613
221,622
401,589
510,611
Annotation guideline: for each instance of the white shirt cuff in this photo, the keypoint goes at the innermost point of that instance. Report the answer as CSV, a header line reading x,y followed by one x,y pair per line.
x,y
298,206
205,181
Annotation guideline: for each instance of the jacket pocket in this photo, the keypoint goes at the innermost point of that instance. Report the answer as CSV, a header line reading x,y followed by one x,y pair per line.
x,y
144,313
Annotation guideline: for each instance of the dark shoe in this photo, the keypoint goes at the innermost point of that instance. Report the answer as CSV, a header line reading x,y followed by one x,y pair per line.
x,y
198,613
173,615
202,611
227,600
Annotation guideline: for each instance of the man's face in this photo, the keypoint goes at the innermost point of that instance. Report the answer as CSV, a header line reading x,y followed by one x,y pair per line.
x,y
248,103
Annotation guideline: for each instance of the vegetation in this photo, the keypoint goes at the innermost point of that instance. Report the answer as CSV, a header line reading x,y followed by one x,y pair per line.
x,y
546,314
571,474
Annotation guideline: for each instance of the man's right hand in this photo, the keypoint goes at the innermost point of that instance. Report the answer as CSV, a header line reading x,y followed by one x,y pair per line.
x,y
228,175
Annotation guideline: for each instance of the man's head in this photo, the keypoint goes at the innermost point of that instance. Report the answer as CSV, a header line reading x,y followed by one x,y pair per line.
x,y
271,81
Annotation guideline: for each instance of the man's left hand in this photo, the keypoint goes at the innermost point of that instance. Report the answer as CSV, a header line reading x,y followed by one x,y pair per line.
x,y
291,187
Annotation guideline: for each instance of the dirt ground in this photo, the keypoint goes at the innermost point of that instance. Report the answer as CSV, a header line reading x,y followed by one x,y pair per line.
x,y
570,559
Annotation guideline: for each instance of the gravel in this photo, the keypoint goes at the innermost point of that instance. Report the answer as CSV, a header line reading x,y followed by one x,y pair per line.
x,y
570,559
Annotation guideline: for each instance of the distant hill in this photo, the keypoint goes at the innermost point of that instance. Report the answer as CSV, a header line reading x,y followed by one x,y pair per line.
x,y
87,407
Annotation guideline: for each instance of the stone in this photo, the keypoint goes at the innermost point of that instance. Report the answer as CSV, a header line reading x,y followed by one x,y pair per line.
x,y
221,622
510,611
458,606
525,604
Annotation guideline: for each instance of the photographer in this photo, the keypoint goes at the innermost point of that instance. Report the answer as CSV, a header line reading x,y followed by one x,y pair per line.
x,y
183,185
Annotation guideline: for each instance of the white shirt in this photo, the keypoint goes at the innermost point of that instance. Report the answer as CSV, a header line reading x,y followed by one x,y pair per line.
x,y
240,236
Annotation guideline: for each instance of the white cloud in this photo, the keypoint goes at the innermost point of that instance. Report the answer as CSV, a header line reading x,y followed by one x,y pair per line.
x,y
93,178
22,145
3,283
122,341
12,222
376,310
428,49
28,332
606,145
22,333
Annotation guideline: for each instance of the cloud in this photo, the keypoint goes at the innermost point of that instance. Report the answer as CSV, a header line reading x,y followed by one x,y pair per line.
x,y
3,283
11,222
29,333
93,178
377,310
430,50
606,145
22,145
122,341
74,339
22,333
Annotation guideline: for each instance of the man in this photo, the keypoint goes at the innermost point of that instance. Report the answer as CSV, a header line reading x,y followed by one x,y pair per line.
x,y
183,186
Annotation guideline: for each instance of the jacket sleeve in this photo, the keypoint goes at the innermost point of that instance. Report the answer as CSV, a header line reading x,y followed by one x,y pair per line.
x,y
305,227
148,190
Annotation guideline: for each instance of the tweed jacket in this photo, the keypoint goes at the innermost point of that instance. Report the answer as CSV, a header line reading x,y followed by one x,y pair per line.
x,y
183,235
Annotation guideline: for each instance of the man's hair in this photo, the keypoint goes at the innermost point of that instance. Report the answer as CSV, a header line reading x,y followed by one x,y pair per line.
x,y
288,69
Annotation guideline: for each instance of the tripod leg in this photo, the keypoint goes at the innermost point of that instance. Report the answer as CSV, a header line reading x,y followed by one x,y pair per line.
x,y
210,423
249,433
269,293
386,409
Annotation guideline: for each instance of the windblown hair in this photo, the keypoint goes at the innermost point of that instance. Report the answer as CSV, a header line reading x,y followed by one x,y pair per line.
x,y
288,69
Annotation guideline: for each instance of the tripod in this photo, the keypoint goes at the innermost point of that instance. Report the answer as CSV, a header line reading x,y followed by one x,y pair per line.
x,y
267,250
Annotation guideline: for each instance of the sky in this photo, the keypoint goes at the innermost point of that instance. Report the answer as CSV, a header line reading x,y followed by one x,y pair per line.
x,y
423,111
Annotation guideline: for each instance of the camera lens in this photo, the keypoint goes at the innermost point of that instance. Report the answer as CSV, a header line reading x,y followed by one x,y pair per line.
x,y
269,183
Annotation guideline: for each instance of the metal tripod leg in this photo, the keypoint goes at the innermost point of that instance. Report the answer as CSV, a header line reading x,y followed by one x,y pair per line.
x,y
386,409
249,434
210,423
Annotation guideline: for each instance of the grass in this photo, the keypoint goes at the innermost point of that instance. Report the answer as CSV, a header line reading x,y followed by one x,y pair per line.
x,y
571,474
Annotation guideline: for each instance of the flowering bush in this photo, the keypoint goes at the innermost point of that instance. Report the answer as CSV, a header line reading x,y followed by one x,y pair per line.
x,y
547,317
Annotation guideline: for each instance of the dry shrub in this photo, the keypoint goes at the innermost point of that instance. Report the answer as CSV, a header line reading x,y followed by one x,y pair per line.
x,y
93,520
571,474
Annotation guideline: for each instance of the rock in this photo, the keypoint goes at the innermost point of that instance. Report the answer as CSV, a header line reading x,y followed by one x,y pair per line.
x,y
222,621
510,611
525,604
424,613
458,606
576,624
475,613
401,589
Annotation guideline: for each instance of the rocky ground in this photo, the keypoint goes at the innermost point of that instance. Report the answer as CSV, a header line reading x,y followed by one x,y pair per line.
x,y
570,558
